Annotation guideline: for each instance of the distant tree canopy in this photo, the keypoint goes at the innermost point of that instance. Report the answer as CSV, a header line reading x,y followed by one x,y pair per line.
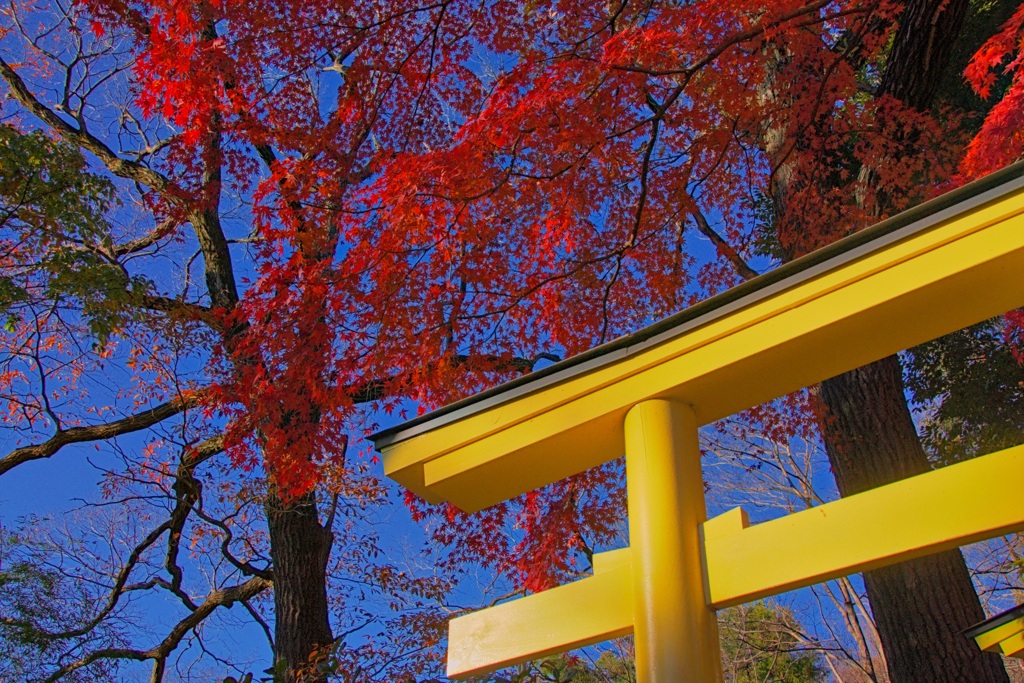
x,y
41,613
971,389
760,645
49,197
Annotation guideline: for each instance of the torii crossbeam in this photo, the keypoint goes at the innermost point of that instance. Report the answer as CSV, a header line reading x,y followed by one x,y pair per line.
x,y
949,263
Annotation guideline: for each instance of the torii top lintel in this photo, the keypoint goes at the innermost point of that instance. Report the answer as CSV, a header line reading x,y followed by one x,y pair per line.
x,y
946,264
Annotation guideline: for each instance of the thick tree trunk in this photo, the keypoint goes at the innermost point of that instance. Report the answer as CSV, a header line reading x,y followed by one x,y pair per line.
x,y
299,548
921,50
922,606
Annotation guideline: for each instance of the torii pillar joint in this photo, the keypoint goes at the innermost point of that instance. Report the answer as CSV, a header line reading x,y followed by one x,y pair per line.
x,y
676,632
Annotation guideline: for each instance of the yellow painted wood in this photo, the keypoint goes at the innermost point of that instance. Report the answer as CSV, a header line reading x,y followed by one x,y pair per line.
x,y
989,640
1013,646
943,509
675,632
612,560
725,524
889,299
952,506
574,615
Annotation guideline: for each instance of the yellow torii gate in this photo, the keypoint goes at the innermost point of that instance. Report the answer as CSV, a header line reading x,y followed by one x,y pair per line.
x,y
946,264
1003,633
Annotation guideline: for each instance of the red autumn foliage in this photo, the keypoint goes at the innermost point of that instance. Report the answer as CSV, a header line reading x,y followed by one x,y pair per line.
x,y
1001,139
398,205
422,220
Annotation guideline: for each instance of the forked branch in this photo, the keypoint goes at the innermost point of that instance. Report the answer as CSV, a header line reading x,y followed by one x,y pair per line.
x,y
124,168
225,597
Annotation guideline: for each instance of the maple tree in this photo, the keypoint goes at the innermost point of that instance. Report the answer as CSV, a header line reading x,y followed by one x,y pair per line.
x,y
242,372
327,210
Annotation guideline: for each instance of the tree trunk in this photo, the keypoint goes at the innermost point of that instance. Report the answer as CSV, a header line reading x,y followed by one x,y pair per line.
x,y
299,549
921,50
920,607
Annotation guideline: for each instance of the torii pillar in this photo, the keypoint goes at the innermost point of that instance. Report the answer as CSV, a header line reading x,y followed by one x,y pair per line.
x,y
952,262
675,631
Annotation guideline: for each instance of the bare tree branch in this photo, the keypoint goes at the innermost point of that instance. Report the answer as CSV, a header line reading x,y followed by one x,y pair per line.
x,y
124,168
205,221
204,450
127,425
162,230
724,248
225,597
174,306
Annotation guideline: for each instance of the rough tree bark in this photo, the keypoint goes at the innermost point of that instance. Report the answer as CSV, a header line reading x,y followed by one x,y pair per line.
x,y
920,607
300,548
